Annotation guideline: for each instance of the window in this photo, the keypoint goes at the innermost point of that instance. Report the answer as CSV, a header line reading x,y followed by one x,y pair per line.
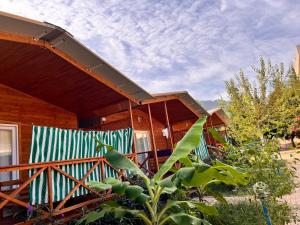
x,y
143,144
8,150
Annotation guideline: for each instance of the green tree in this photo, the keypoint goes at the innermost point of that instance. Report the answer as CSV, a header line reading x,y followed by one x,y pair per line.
x,y
265,107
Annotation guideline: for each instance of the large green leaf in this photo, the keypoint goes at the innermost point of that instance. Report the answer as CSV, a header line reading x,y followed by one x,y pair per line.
x,y
119,161
190,141
120,188
216,195
201,175
133,191
117,211
99,186
142,198
215,134
186,219
200,206
111,180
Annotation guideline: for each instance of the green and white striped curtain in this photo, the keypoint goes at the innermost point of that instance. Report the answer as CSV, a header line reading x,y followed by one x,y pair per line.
x,y
52,144
202,150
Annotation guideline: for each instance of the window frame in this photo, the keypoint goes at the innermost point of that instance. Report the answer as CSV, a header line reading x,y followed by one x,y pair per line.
x,y
149,137
14,128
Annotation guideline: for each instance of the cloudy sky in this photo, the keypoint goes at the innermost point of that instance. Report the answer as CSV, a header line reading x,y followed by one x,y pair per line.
x,y
176,45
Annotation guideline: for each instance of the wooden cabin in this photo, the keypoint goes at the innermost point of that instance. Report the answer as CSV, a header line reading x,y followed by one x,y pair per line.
x,y
158,124
218,120
51,84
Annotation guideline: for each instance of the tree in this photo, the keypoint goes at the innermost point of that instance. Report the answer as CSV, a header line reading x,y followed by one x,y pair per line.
x,y
266,107
193,175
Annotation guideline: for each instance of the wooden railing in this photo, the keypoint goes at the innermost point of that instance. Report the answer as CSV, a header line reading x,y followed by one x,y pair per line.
x,y
56,208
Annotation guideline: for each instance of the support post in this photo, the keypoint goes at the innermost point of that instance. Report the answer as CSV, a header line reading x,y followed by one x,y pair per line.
x,y
153,139
211,123
168,124
208,134
50,193
132,126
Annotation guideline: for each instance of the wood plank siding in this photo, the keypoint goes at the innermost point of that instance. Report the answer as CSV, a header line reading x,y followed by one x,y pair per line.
x,y
25,110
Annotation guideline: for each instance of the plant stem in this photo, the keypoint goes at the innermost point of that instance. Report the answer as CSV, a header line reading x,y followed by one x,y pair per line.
x,y
145,219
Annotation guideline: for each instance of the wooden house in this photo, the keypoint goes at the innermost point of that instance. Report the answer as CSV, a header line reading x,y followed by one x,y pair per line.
x,y
54,91
218,120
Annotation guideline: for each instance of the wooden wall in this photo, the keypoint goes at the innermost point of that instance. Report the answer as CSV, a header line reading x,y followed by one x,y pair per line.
x,y
141,122
24,110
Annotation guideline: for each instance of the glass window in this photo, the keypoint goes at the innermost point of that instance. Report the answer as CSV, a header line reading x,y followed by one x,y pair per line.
x,y
8,150
143,144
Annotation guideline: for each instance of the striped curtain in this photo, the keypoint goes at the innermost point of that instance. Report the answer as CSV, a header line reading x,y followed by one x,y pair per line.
x,y
202,151
51,144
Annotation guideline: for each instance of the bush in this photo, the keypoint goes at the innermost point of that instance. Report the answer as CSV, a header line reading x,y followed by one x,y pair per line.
x,y
247,213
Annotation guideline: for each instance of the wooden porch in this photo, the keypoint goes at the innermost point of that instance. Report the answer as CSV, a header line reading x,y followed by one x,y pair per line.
x,y
17,192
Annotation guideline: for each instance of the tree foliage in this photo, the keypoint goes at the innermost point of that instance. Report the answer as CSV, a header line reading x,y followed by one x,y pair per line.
x,y
264,107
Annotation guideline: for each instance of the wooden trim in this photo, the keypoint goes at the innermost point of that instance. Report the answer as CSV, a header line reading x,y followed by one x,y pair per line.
x,y
102,170
153,138
53,163
207,133
8,198
171,97
68,209
69,59
132,126
213,140
74,179
63,202
22,186
168,124
50,193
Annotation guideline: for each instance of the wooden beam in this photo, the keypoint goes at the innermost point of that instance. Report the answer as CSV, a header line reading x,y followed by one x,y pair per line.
x,y
22,186
168,124
132,126
153,138
53,163
50,193
14,200
207,133
102,171
172,97
112,109
211,124
74,179
63,202
68,209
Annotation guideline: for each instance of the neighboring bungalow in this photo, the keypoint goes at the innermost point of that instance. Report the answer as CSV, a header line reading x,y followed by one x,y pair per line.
x,y
217,120
56,96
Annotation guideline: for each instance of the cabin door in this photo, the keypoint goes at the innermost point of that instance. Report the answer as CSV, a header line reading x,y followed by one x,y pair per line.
x,y
143,146
8,150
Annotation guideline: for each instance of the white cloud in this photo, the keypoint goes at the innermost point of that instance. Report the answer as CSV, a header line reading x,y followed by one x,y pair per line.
x,y
175,45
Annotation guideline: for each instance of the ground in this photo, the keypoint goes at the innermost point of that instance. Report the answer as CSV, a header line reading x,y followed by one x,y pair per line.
x,y
294,198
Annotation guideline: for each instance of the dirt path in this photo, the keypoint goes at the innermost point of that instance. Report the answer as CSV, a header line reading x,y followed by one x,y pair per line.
x,y
294,198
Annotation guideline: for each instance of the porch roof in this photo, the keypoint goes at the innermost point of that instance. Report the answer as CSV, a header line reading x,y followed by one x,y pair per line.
x,y
45,61
218,117
181,106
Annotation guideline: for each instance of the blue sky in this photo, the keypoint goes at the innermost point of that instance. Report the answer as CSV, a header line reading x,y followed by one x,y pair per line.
x,y
176,45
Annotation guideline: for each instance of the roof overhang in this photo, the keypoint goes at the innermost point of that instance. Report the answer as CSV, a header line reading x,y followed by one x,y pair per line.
x,y
181,106
184,97
218,116
61,43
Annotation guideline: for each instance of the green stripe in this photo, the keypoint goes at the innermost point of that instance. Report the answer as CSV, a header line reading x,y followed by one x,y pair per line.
x,y
50,144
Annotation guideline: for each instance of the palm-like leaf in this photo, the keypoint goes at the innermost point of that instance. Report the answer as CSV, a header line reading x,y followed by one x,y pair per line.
x,y
190,141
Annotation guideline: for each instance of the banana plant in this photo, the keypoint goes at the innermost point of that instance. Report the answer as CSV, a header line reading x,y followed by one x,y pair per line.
x,y
198,175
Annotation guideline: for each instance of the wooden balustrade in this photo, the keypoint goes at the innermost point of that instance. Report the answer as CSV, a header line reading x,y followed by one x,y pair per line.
x,y
14,194
57,208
